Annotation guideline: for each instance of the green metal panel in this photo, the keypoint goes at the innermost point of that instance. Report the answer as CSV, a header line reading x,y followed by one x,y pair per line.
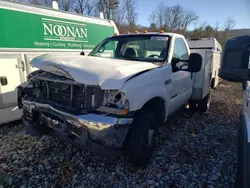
x,y
26,30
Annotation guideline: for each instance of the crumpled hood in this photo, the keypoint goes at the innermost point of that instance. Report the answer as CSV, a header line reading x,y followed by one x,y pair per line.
x,y
105,72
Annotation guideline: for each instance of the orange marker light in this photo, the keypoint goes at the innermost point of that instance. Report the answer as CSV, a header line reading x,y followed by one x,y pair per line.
x,y
145,31
136,31
116,34
162,31
125,111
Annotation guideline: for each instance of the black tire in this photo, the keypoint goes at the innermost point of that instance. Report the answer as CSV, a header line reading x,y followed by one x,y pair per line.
x,y
213,83
204,104
138,147
193,105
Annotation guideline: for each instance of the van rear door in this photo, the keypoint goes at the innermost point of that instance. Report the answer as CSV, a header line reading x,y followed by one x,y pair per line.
x,y
11,75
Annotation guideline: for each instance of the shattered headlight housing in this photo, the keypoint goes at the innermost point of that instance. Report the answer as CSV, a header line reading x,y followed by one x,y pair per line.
x,y
114,102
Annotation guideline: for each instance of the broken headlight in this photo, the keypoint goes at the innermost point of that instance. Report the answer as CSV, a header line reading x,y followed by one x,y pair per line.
x,y
114,102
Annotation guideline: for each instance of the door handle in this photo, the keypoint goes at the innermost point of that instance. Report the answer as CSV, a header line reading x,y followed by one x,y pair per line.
x,y
167,81
174,96
21,66
3,80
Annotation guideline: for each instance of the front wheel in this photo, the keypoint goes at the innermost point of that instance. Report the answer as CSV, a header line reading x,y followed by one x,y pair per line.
x,y
142,138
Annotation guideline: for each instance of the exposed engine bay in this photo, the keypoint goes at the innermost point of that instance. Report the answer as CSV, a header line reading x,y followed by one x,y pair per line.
x,y
69,109
63,92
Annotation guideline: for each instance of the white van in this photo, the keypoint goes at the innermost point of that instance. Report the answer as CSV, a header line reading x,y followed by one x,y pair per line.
x,y
28,31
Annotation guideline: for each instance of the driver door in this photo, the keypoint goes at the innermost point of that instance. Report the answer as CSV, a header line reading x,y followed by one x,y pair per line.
x,y
181,80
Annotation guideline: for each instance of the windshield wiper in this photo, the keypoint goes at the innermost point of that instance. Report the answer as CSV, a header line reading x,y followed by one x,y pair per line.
x,y
124,57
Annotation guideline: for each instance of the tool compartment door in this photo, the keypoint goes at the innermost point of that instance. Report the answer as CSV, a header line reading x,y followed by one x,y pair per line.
x,y
11,75
201,79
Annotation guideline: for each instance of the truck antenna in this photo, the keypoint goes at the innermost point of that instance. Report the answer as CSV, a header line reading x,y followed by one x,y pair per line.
x,y
82,52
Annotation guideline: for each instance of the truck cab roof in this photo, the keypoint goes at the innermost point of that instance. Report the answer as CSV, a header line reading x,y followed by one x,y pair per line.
x,y
153,33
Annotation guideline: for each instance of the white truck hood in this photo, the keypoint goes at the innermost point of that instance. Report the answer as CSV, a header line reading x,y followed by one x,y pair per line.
x,y
105,72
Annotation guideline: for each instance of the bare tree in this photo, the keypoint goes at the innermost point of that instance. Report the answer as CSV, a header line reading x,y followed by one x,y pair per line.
x,y
84,6
108,7
65,5
80,6
187,18
229,24
45,3
17,0
152,19
120,17
131,14
158,15
174,18
175,14
90,7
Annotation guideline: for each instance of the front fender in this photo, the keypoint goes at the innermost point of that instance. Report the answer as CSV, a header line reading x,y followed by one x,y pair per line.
x,y
139,90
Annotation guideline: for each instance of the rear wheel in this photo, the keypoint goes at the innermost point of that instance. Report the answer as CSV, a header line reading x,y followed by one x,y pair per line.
x,y
213,83
193,105
204,104
142,137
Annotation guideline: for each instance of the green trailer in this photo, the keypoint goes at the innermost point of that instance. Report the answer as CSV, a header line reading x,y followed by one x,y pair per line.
x,y
28,31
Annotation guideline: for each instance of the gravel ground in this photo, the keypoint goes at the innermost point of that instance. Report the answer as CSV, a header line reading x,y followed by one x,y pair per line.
x,y
192,151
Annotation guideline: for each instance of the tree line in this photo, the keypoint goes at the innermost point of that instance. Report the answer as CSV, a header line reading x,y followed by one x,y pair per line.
x,y
124,13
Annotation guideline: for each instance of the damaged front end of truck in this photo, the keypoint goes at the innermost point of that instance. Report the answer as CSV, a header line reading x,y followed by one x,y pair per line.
x,y
77,104
70,110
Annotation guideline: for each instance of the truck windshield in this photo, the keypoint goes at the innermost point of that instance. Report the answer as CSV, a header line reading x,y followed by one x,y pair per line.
x,y
152,48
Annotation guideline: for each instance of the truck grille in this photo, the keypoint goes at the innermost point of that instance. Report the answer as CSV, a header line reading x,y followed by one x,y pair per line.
x,y
79,96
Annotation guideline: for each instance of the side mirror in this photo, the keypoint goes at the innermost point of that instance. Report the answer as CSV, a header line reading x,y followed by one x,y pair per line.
x,y
195,62
174,60
235,62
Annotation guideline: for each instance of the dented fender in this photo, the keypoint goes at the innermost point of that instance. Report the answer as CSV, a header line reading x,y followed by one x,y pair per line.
x,y
23,90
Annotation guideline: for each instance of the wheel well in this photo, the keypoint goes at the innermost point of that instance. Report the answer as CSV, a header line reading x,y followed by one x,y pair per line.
x,y
158,105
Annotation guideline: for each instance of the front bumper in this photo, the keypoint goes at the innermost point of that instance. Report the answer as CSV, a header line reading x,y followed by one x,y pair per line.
x,y
96,132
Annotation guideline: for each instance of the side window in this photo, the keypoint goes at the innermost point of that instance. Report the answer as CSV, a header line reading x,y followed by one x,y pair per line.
x,y
180,49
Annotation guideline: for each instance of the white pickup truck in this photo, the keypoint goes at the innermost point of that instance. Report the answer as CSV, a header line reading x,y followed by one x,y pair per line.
x,y
114,99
